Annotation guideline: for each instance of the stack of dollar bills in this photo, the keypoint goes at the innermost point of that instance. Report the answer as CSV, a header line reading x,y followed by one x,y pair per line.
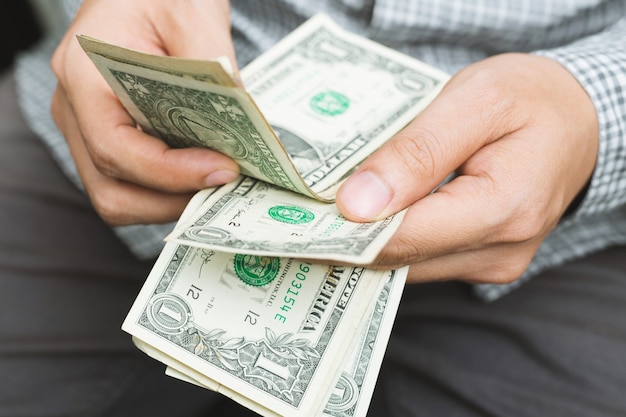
x,y
258,293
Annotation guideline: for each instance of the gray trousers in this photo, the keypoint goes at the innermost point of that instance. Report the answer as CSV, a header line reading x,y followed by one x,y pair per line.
x,y
554,347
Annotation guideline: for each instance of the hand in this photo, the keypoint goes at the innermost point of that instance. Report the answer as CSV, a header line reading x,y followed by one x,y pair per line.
x,y
132,177
521,134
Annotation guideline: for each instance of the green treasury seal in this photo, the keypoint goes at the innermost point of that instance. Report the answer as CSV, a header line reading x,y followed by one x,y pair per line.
x,y
291,214
329,103
256,270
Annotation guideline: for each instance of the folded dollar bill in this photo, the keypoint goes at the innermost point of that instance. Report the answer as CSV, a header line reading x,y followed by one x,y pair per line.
x,y
239,301
253,217
282,336
314,106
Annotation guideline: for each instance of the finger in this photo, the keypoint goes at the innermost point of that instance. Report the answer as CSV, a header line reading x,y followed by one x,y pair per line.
x,y
117,202
423,154
200,32
117,148
452,220
126,153
495,199
120,150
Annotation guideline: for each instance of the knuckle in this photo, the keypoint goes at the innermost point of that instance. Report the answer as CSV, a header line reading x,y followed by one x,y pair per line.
x,y
58,59
515,217
418,150
504,270
398,253
506,273
56,63
505,264
106,204
102,159
496,103
525,224
55,109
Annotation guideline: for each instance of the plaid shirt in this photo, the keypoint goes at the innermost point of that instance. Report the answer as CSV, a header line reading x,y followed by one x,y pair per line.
x,y
588,37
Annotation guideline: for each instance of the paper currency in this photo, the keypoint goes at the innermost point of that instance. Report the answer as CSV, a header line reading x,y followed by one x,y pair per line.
x,y
236,302
344,96
328,99
269,332
282,336
253,217
353,391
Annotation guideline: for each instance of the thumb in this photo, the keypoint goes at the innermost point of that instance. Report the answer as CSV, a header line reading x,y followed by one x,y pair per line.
x,y
199,30
420,157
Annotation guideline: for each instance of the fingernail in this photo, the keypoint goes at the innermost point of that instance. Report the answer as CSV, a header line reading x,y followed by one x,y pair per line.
x,y
365,195
219,177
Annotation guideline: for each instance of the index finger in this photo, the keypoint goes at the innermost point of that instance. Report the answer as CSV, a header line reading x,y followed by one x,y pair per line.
x,y
120,150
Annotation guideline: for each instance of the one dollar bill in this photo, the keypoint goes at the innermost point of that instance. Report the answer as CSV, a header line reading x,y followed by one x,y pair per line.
x,y
282,336
352,393
269,332
315,105
328,99
253,217
237,302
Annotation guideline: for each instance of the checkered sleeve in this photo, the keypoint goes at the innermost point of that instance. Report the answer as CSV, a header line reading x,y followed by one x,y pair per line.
x,y
599,64
35,86
448,35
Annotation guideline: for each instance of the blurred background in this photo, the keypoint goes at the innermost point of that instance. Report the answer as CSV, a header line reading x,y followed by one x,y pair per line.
x,y
23,24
